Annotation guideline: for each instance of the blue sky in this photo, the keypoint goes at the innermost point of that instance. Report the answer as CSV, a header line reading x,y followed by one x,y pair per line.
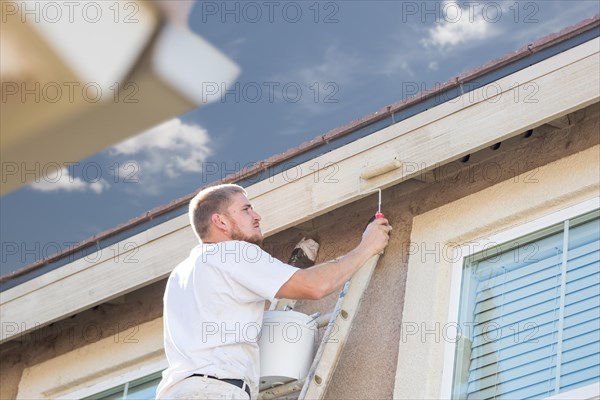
x,y
306,68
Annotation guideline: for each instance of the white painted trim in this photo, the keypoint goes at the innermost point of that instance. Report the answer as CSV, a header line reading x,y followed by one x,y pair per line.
x,y
565,82
453,309
561,305
499,238
587,393
108,254
435,119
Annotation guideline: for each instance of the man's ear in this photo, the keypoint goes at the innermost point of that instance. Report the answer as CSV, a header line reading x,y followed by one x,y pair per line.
x,y
218,221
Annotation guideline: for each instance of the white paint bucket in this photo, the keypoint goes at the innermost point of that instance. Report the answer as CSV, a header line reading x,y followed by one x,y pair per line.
x,y
287,344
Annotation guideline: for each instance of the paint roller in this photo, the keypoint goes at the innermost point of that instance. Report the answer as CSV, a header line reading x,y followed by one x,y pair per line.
x,y
381,168
376,170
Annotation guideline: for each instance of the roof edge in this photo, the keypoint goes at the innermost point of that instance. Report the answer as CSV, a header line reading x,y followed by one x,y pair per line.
x,y
261,166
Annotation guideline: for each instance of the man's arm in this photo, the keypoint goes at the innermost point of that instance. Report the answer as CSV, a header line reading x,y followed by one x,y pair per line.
x,y
317,282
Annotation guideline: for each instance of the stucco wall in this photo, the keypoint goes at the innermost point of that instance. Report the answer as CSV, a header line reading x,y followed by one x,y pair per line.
x,y
368,364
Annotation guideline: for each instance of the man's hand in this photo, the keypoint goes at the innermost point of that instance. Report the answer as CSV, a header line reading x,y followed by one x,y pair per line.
x,y
376,236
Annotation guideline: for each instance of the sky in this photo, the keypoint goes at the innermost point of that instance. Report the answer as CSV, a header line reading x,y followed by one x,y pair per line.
x,y
306,67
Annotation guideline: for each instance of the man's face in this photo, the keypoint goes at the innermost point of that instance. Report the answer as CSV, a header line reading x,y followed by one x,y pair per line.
x,y
245,221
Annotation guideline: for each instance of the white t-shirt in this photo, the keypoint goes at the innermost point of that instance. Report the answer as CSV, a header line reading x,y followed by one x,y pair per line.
x,y
213,311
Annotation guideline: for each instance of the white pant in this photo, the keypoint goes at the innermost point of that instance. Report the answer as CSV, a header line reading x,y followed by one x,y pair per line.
x,y
202,388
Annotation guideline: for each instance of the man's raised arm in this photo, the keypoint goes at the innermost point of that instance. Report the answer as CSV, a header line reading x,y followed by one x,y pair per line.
x,y
317,282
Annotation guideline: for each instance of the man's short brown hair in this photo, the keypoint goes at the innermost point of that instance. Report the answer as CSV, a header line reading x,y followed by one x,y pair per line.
x,y
208,201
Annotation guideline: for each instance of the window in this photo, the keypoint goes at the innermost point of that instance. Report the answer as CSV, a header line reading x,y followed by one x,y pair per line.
x,y
139,389
529,315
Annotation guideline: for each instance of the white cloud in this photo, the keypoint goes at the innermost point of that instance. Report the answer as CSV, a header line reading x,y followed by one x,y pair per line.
x,y
433,65
164,151
336,66
462,25
234,48
320,82
61,180
396,64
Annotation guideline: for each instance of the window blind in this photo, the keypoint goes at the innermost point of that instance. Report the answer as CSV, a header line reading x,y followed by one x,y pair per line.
x,y
533,311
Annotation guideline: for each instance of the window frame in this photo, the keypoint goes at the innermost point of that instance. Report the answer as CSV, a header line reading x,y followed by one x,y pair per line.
x,y
109,391
460,253
135,373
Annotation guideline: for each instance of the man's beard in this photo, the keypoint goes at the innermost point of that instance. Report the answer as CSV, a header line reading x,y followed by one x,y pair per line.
x,y
236,234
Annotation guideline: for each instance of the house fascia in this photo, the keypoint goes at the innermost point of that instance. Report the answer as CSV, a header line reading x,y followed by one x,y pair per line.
x,y
560,84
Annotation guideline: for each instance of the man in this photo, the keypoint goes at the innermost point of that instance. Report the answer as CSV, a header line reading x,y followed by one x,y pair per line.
x,y
218,293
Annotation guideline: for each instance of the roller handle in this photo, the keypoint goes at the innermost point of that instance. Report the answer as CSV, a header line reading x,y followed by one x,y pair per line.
x,y
376,216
